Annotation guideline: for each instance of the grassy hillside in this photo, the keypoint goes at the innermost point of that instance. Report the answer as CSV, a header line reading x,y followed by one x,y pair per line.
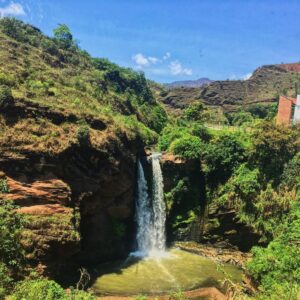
x,y
55,75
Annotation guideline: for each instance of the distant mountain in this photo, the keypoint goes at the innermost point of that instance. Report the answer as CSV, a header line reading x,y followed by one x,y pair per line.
x,y
264,86
188,83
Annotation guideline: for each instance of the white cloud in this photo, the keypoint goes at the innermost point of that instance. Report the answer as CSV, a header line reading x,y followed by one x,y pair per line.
x,y
140,60
177,69
13,9
167,56
143,61
153,60
247,76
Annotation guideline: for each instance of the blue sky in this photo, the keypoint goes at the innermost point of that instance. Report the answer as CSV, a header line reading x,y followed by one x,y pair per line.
x,y
175,39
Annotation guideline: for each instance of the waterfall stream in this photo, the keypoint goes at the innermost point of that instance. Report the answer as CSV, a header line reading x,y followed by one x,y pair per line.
x,y
150,215
158,204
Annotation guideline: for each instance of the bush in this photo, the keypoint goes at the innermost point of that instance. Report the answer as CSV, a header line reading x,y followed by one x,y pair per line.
x,y
242,117
11,224
291,173
4,188
194,111
189,147
277,267
39,289
79,295
221,157
272,147
5,96
5,281
83,135
201,132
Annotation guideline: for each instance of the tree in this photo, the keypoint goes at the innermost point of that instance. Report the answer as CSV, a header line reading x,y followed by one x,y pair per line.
x,y
189,147
63,35
194,111
273,146
221,157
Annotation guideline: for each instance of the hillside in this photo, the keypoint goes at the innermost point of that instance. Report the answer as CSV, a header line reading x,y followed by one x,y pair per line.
x,y
189,83
71,127
264,86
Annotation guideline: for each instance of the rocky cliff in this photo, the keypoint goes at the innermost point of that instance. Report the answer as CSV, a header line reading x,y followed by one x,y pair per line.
x,y
71,127
264,86
78,199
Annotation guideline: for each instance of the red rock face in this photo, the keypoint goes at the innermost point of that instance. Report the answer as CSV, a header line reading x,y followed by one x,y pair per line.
x,y
39,192
294,67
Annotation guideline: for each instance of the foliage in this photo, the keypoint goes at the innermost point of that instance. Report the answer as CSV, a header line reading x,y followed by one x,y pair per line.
x,y
83,134
63,35
241,118
39,289
200,131
241,188
272,147
4,188
5,95
6,281
56,73
11,224
277,267
194,111
221,157
189,147
79,295
291,173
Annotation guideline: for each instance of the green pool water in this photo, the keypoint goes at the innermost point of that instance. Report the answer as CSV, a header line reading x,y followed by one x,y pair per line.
x,y
177,270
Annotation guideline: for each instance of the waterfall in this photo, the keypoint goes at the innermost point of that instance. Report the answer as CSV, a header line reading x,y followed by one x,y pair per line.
x,y
143,213
150,215
159,207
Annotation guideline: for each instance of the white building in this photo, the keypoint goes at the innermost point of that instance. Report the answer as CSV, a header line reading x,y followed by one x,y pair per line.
x,y
296,118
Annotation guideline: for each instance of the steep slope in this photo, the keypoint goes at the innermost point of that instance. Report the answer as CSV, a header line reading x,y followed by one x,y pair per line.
x,y
189,83
264,86
71,127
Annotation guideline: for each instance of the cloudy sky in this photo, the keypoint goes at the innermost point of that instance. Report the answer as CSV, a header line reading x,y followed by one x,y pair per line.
x,y
175,39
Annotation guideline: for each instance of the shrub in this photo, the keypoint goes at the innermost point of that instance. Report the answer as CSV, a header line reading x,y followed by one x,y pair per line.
x,y
291,173
39,289
63,36
242,117
4,188
83,135
277,267
221,157
5,281
5,95
79,295
194,111
272,147
189,147
201,132
11,224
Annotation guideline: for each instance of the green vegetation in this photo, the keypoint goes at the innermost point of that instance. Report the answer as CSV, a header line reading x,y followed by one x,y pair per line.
x,y
44,71
250,165
277,266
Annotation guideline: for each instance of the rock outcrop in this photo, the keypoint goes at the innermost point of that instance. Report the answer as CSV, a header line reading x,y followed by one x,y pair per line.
x,y
78,199
264,86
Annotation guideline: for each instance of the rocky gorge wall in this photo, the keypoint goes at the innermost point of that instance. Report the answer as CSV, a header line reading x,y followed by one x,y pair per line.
x,y
78,198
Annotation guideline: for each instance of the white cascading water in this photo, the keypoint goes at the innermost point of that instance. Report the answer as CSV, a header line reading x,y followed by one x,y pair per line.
x,y
150,215
159,207
143,214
